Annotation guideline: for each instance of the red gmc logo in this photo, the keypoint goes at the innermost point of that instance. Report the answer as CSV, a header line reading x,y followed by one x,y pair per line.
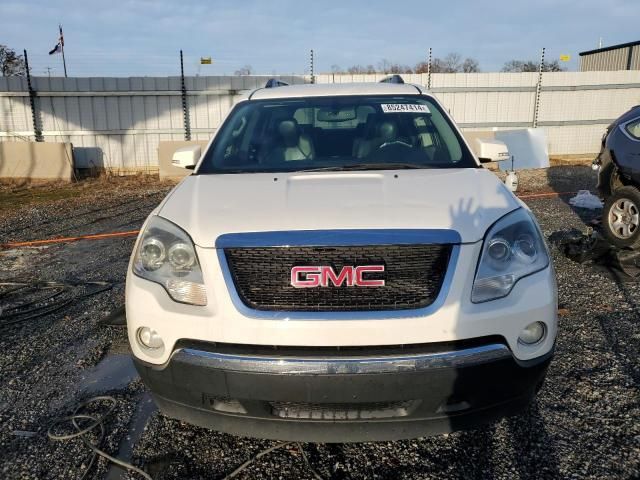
x,y
323,276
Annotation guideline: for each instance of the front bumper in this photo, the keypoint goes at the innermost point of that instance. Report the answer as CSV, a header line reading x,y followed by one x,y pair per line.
x,y
334,396
456,318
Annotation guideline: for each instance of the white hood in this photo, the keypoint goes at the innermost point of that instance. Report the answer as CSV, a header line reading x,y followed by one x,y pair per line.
x,y
465,200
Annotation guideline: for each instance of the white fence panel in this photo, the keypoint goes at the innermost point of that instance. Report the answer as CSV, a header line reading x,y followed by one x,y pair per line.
x,y
116,123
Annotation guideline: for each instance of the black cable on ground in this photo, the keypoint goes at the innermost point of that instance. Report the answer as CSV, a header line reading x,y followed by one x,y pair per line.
x,y
96,421
267,451
315,473
41,306
81,432
254,458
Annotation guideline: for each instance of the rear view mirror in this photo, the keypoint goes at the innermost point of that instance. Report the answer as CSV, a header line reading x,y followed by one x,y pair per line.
x,y
336,115
491,150
186,157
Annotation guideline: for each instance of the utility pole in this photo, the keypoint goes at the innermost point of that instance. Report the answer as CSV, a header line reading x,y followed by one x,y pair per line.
x,y
49,71
185,105
35,116
64,62
536,105
429,70
313,77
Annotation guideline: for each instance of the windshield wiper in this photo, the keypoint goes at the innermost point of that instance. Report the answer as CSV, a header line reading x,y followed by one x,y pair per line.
x,y
366,166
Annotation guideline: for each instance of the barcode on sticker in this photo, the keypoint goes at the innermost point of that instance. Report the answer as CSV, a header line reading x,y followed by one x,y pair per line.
x,y
404,108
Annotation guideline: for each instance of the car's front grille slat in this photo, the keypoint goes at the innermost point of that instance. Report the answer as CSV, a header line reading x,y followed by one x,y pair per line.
x,y
413,277
344,411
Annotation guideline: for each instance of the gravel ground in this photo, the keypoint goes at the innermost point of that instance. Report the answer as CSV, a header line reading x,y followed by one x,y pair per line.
x,y
585,423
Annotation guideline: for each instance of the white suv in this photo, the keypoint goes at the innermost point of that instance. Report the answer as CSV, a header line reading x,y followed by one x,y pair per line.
x,y
340,267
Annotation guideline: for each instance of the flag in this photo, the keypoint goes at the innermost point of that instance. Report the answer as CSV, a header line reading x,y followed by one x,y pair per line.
x,y
60,44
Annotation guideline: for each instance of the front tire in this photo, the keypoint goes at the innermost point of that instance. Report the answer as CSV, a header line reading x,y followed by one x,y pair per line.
x,y
621,218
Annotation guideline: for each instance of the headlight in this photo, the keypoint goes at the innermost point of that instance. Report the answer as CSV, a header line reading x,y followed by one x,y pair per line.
x,y
166,255
513,248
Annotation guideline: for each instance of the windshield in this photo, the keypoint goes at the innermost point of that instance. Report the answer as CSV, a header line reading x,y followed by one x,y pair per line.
x,y
336,133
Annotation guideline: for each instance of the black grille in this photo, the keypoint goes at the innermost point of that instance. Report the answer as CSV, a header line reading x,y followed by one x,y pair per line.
x,y
413,277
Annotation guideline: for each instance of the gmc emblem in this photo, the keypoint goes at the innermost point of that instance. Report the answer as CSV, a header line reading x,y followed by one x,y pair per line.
x,y
323,276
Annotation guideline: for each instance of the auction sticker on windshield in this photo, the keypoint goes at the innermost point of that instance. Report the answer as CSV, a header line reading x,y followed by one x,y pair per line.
x,y
404,108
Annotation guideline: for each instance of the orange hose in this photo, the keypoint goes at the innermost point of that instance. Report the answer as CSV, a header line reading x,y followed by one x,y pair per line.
x,y
548,194
131,233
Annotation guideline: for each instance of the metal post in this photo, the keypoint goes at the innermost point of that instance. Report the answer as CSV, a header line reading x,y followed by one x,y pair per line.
x,y
64,62
313,78
429,70
185,106
32,101
536,105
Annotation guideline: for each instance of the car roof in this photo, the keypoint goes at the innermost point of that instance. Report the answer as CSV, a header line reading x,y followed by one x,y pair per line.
x,y
334,89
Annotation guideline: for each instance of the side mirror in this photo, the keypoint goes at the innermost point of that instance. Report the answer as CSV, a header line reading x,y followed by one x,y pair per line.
x,y
186,157
491,150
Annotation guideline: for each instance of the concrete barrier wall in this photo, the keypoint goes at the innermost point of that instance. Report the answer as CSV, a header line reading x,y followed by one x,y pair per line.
x,y
36,161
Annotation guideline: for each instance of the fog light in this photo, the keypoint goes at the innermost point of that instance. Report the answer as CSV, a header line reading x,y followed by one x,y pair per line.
x,y
532,333
149,338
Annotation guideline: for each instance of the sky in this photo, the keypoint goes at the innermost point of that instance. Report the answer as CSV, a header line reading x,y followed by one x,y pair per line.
x,y
144,37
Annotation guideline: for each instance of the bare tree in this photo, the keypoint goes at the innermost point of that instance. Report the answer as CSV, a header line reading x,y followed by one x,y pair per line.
x,y
421,67
520,66
355,69
452,63
398,68
245,70
437,65
470,65
531,66
11,63
553,66
360,69
384,65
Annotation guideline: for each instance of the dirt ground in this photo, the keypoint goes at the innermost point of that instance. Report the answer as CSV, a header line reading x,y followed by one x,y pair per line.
x,y
585,423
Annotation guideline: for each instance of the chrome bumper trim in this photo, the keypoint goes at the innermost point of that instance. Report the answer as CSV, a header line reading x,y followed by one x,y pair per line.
x,y
344,365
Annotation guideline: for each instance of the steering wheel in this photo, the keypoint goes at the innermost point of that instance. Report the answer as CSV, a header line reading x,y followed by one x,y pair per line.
x,y
395,142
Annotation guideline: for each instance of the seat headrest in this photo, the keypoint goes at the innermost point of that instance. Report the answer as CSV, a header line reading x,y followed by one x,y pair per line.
x,y
370,125
388,131
290,132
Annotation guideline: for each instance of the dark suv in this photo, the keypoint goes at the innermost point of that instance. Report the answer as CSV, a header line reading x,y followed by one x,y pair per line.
x,y
618,167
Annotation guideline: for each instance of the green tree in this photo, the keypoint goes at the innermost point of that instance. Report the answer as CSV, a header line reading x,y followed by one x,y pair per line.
x,y
10,63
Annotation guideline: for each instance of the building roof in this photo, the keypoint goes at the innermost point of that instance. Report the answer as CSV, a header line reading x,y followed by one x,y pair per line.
x,y
612,47
331,89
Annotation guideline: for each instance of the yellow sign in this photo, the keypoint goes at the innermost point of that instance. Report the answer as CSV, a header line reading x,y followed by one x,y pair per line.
x,y
565,58
205,60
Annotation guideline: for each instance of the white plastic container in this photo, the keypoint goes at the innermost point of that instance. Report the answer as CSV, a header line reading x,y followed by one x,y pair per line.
x,y
511,181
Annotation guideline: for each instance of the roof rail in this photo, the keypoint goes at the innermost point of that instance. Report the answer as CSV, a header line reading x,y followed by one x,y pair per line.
x,y
392,79
274,82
